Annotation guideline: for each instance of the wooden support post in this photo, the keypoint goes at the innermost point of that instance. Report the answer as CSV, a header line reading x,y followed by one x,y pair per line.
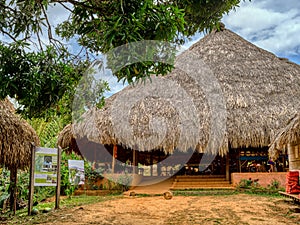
x,y
291,156
284,163
151,164
294,160
135,163
227,167
31,180
297,151
158,165
113,164
13,189
57,199
240,165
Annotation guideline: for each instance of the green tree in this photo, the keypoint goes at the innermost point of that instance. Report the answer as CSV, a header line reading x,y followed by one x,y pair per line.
x,y
100,25
38,80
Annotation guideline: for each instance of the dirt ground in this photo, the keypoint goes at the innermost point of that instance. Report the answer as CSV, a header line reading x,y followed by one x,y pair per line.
x,y
226,209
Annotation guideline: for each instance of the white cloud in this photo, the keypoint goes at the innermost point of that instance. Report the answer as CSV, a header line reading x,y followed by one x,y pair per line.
x,y
270,24
57,13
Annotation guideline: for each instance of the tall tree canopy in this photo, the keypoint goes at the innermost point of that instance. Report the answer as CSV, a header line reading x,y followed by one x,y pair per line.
x,y
98,26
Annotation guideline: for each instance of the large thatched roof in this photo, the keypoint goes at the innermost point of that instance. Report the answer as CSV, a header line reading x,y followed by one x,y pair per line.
x,y
287,135
15,139
261,93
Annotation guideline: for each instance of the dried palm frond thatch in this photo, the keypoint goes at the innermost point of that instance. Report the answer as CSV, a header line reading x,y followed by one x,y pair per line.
x,y
67,141
261,92
16,136
287,135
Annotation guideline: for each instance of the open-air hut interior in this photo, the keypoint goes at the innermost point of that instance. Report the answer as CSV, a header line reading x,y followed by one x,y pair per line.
x,y
287,141
260,92
16,141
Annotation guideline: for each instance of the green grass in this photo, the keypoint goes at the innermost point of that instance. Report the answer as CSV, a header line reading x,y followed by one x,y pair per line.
x,y
21,216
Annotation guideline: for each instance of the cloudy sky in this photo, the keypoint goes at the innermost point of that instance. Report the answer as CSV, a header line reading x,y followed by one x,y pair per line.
x,y
270,24
273,25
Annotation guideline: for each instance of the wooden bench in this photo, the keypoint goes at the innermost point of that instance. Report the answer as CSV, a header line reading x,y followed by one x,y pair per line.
x,y
295,197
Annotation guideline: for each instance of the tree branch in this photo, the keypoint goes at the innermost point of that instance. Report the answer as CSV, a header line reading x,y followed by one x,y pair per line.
x,y
9,35
47,21
81,4
66,7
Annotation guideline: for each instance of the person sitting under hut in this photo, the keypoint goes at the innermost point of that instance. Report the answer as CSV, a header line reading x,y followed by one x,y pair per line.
x,y
271,163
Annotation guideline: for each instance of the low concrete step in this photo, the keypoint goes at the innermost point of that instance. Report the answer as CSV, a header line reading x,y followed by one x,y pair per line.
x,y
199,176
204,188
195,185
202,182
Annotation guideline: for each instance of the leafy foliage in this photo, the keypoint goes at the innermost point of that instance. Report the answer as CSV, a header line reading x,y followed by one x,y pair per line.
x,y
37,80
104,25
100,26
253,187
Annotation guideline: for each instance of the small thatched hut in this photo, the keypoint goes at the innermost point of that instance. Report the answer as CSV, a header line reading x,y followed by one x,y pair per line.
x,y
16,137
288,139
256,94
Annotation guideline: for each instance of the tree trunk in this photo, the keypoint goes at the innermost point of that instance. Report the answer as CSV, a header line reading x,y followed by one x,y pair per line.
x,y
294,157
13,190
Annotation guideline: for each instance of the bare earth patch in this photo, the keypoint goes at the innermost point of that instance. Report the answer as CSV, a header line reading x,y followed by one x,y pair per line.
x,y
229,209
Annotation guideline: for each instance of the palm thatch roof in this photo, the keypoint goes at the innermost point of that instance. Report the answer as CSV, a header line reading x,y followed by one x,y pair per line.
x,y
15,139
67,141
287,135
261,92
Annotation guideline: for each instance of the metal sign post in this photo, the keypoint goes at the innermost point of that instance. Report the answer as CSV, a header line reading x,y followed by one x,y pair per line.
x,y
57,198
31,180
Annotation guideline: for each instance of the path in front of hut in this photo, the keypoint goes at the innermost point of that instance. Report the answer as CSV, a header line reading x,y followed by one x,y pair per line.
x,y
225,209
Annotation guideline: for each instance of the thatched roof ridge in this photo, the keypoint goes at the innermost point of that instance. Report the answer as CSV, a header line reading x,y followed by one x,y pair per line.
x,y
67,141
287,135
261,93
15,139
